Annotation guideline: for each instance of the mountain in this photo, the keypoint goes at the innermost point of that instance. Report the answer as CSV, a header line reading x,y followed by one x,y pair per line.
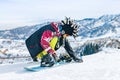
x,y
21,32
106,25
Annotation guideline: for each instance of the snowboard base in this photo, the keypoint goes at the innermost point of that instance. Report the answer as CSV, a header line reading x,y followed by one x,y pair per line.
x,y
37,67
34,68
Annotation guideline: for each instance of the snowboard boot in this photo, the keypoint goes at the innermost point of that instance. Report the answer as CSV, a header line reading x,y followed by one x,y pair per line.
x,y
47,61
35,59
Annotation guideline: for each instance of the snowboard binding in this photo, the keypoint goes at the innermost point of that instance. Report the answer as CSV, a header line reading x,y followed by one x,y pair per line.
x,y
65,58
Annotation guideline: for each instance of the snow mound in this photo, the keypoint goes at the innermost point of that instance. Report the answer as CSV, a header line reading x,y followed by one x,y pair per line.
x,y
102,66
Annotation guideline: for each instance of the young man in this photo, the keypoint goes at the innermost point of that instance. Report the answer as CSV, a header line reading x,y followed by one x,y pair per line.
x,y
45,41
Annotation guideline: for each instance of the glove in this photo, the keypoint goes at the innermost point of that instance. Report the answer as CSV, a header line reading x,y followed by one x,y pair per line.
x,y
56,58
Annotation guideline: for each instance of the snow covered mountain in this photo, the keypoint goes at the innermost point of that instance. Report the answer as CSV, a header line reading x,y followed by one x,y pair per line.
x,y
106,25
21,32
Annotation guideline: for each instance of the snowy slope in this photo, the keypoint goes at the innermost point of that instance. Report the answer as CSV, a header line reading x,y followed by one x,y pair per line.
x,y
104,65
101,66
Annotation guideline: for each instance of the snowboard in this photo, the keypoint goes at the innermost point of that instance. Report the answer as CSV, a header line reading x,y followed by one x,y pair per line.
x,y
37,67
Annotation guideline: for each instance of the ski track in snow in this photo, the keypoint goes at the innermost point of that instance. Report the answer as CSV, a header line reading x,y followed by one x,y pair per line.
x,y
104,65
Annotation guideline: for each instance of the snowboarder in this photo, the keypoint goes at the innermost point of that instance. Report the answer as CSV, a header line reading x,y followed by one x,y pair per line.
x,y
44,42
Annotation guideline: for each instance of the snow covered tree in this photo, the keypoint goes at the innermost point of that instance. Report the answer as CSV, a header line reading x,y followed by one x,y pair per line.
x,y
91,48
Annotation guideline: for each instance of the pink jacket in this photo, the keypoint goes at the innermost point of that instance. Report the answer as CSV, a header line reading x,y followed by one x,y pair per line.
x,y
47,36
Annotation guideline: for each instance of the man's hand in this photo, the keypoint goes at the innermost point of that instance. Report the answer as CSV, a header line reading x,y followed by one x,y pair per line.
x,y
56,58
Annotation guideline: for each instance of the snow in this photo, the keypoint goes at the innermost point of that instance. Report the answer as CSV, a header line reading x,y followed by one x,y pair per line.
x,y
104,65
98,23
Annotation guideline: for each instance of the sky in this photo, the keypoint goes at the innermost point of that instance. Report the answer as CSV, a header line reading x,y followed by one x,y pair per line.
x,y
16,13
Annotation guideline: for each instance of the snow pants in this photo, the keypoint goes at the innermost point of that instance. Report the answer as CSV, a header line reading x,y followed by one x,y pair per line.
x,y
53,43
